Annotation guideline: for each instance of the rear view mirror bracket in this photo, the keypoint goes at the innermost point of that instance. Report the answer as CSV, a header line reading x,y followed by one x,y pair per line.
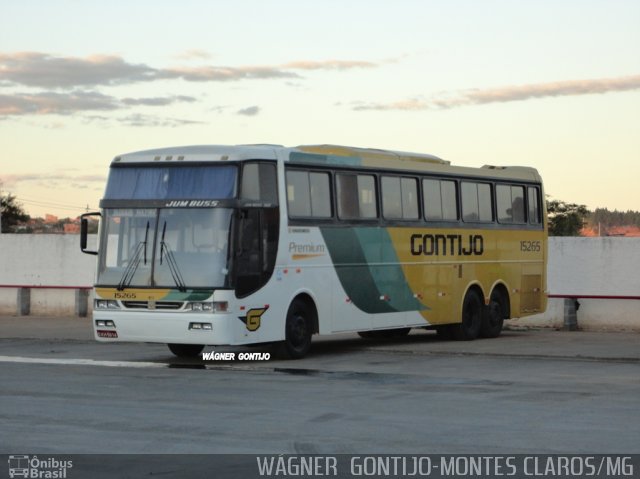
x,y
84,232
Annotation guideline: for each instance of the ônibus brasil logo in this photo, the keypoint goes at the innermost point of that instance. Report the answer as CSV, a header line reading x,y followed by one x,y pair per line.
x,y
33,467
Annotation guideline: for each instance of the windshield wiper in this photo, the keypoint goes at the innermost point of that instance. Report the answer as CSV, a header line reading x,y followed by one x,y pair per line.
x,y
146,237
132,267
171,261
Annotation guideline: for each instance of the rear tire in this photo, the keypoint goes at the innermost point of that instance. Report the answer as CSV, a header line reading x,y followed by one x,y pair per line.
x,y
186,350
298,331
472,309
493,317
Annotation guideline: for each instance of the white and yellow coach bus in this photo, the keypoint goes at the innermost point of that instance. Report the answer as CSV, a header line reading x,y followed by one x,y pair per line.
x,y
235,245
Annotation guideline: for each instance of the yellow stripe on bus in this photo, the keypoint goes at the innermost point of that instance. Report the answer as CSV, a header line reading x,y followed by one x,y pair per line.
x,y
132,294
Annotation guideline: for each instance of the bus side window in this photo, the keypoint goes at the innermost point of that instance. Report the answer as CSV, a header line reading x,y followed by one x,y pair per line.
x,y
440,200
510,203
308,194
409,198
367,196
476,202
391,197
298,195
347,193
356,196
320,193
449,200
259,182
534,205
399,198
517,204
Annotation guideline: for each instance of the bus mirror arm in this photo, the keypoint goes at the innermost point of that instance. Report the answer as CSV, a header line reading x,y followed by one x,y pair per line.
x,y
84,232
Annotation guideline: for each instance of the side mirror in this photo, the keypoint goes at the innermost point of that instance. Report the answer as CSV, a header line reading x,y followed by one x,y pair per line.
x,y
84,232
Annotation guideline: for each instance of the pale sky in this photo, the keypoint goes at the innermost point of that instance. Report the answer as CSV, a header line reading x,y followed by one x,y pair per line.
x,y
549,84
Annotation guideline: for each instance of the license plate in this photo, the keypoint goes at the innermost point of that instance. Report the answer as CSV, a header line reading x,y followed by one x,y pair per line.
x,y
107,334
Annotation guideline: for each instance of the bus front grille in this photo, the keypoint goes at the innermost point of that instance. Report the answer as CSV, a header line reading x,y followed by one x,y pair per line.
x,y
152,304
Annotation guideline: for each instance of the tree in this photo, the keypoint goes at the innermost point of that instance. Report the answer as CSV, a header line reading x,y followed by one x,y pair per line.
x,y
607,219
565,219
12,213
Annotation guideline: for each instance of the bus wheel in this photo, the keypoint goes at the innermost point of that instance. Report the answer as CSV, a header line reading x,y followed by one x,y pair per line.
x,y
493,318
471,323
186,350
298,332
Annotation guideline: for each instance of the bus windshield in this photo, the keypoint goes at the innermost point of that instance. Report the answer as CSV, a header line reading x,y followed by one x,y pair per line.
x,y
168,248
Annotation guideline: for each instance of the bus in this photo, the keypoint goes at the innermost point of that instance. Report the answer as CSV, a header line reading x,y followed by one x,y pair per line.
x,y
18,466
240,245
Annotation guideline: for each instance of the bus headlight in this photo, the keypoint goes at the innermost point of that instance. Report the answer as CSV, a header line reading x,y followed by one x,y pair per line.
x,y
201,326
105,304
101,323
208,307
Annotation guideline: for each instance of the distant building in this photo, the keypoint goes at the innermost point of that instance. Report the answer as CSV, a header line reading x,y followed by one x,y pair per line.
x,y
71,228
50,224
625,231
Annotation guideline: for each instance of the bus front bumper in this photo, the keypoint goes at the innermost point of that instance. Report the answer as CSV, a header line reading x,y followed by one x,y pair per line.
x,y
167,327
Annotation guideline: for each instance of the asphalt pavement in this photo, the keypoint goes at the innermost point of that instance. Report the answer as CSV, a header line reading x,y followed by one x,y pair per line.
x,y
528,391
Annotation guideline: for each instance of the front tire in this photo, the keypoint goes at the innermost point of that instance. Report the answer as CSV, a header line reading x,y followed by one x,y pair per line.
x,y
298,331
186,350
471,323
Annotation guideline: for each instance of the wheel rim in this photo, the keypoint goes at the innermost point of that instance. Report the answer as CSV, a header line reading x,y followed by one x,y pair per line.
x,y
298,331
471,321
471,312
495,313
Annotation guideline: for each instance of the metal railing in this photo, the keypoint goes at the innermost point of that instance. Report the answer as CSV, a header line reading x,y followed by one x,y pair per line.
x,y
572,305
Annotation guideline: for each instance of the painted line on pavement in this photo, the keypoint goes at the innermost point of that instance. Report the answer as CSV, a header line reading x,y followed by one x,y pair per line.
x,y
82,362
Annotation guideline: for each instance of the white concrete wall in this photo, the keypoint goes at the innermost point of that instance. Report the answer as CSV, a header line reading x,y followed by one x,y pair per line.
x,y
593,315
44,260
588,266
8,304
53,302
606,266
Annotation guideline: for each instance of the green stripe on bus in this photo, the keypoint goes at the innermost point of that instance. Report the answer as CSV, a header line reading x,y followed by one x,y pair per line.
x,y
380,255
367,266
189,295
351,266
